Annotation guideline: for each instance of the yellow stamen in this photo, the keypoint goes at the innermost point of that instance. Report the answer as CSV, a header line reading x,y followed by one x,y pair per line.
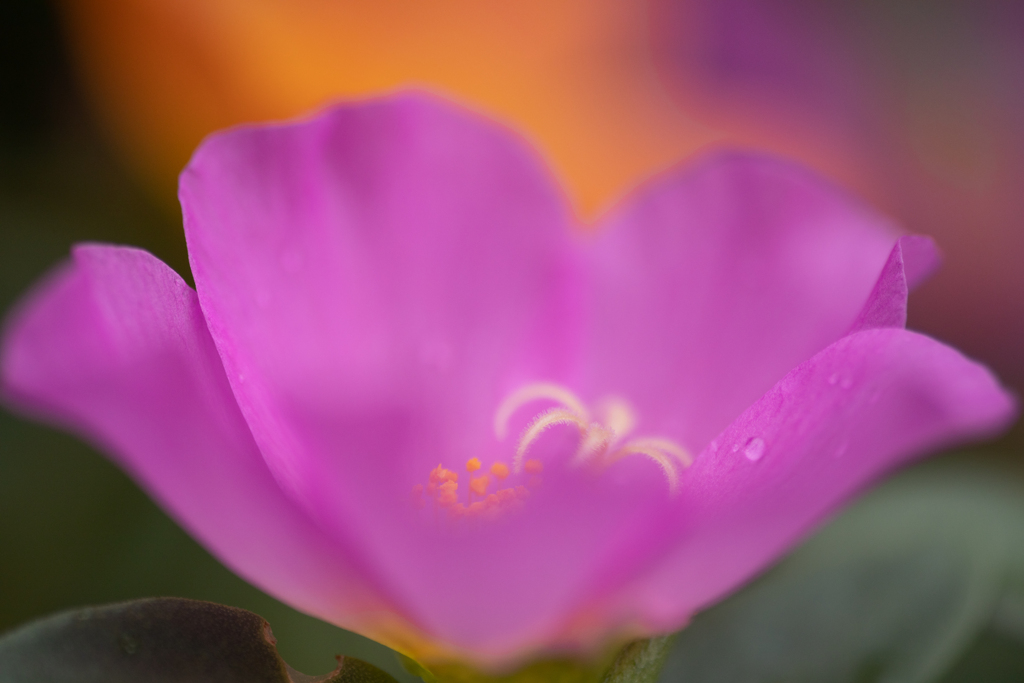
x,y
473,464
500,470
536,392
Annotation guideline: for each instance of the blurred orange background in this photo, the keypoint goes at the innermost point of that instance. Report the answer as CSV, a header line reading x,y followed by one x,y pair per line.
x,y
913,106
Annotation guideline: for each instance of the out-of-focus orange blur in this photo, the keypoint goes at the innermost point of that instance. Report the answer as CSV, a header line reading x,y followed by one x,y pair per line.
x,y
911,105
577,76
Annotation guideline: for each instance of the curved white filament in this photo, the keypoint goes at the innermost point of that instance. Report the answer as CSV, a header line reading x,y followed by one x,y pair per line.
x,y
540,424
596,441
666,463
666,446
536,392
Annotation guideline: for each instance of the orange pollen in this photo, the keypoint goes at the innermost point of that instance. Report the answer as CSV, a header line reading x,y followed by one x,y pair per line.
x,y
445,495
500,470
478,485
533,466
473,464
439,474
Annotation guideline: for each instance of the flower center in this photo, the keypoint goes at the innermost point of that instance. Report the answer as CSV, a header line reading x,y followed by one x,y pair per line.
x,y
601,444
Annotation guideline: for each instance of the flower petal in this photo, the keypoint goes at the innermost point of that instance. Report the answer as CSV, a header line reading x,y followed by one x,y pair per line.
x,y
864,405
376,279
113,345
912,259
715,281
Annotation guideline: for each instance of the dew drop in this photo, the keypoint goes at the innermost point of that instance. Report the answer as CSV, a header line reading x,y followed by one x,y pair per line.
x,y
833,378
754,449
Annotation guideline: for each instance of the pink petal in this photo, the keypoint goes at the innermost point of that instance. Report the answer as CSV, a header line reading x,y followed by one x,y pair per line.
x,y
864,405
913,259
715,281
113,345
376,280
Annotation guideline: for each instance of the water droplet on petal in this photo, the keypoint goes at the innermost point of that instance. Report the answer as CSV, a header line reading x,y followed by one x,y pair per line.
x,y
713,446
833,378
754,449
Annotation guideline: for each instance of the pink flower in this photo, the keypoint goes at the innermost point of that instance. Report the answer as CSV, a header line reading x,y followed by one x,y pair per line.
x,y
414,399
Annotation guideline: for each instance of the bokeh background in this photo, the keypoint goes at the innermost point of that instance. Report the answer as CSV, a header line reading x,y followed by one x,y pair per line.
x,y
916,107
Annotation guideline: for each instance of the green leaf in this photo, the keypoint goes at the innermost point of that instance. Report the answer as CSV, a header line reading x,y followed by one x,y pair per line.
x,y
639,662
160,640
896,589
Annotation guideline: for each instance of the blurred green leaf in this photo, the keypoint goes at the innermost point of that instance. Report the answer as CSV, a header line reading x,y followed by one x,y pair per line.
x,y
899,588
160,640
640,661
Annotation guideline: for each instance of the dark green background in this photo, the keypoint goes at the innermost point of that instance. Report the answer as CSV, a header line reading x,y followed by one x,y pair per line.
x,y
919,582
